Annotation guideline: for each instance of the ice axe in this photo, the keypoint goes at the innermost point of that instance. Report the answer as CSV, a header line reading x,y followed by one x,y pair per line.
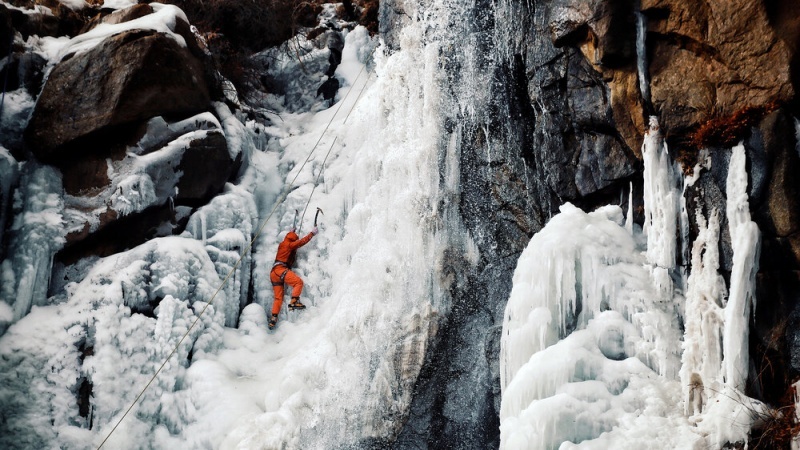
x,y
294,223
319,211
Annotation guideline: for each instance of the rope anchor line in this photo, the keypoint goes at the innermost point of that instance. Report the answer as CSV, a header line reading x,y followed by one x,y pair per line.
x,y
278,201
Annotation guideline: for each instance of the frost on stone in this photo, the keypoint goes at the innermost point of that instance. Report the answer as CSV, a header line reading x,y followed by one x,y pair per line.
x,y
108,338
291,69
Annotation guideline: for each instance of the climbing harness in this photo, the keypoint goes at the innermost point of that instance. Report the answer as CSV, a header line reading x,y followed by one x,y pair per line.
x,y
283,275
278,201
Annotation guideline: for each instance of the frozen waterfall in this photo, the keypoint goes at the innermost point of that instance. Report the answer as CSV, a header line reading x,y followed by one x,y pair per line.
x,y
337,375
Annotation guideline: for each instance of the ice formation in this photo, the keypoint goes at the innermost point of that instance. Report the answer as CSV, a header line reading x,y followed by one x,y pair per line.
x,y
107,337
35,235
591,350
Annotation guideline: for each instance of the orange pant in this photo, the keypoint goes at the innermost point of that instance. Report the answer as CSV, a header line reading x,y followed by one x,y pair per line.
x,y
289,278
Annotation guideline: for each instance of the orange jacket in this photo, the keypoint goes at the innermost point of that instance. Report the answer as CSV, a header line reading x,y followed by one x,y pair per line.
x,y
287,248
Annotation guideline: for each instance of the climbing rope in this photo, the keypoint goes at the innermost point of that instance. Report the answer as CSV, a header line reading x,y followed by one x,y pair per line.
x,y
246,251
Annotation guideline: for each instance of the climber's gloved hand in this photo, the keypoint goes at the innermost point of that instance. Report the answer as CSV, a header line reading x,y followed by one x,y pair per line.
x,y
314,231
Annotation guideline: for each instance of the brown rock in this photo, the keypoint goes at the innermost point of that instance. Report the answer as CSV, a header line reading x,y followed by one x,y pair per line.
x,y
51,18
712,58
782,201
129,77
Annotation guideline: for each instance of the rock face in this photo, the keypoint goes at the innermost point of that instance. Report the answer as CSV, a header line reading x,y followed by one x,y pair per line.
x,y
711,58
130,77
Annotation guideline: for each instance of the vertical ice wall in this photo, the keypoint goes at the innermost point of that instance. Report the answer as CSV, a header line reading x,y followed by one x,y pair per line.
x,y
341,373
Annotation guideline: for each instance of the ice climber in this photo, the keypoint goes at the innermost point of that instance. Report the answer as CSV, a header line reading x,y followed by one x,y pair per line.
x,y
281,273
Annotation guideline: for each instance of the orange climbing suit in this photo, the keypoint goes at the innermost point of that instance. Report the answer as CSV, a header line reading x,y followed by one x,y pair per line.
x,y
281,272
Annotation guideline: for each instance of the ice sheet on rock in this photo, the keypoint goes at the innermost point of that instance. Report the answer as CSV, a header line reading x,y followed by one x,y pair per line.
x,y
17,108
75,5
159,132
243,138
147,176
118,4
295,70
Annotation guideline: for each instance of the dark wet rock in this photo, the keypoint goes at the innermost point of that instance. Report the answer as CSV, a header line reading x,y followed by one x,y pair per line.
x,y
129,77
329,88
23,70
8,184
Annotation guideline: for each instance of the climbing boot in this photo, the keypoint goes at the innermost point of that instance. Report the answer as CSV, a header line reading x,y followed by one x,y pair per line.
x,y
295,304
273,321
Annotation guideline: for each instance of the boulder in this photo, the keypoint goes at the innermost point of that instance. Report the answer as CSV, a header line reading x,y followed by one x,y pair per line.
x,y
129,77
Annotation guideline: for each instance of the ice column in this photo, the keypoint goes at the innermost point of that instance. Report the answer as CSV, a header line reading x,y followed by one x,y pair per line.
x,y
661,207
746,242
702,349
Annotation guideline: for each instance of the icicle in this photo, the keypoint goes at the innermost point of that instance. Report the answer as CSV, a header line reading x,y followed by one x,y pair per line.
x,y
629,216
203,227
641,57
746,242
